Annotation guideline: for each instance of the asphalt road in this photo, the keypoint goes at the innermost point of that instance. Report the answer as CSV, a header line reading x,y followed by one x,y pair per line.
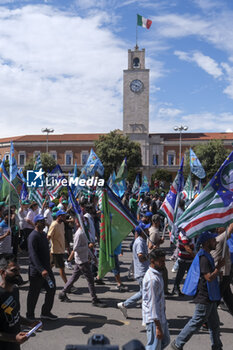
x,y
79,320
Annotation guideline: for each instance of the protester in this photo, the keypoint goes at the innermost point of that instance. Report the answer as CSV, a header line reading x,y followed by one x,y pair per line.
x,y
5,234
185,257
82,266
40,272
154,242
153,303
10,319
57,236
202,282
141,264
225,287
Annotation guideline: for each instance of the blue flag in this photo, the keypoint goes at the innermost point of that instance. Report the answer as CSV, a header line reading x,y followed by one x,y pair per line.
x,y
93,165
20,173
136,185
74,202
12,163
111,183
145,185
23,192
195,166
222,181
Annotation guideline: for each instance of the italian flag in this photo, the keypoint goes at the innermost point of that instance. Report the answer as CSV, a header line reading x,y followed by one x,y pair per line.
x,y
143,22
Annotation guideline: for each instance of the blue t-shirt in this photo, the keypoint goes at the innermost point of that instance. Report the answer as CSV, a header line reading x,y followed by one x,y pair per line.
x,y
140,247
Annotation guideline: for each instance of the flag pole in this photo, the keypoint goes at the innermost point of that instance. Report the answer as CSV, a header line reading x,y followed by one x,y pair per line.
x,y
136,47
225,242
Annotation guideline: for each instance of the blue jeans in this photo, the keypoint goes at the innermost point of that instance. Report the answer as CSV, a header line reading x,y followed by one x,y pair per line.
x,y
203,313
137,296
154,343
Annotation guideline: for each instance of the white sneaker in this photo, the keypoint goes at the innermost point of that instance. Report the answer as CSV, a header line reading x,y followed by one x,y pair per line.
x,y
68,265
123,309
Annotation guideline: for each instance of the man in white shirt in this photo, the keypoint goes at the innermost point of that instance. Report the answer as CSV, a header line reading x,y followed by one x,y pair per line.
x,y
153,303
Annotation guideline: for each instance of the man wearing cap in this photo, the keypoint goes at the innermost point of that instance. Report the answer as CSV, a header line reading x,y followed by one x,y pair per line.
x,y
57,236
141,264
40,272
202,283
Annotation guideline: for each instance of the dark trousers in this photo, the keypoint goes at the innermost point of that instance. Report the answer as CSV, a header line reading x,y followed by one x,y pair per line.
x,y
81,269
36,283
165,279
183,267
226,293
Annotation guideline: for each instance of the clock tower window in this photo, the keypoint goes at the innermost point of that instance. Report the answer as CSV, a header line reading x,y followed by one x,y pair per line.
x,y
136,62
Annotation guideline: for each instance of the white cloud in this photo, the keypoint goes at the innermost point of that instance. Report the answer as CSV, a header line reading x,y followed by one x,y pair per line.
x,y
205,121
59,71
205,62
168,112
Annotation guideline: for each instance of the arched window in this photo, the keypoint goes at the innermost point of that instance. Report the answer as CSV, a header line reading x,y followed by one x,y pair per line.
x,y
136,62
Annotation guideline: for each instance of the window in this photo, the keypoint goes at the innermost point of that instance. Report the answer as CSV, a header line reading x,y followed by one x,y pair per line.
x,y
22,158
155,159
84,157
136,62
53,154
69,158
171,159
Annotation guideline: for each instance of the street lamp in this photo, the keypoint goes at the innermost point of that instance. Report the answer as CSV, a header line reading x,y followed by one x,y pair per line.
x,y
180,129
47,131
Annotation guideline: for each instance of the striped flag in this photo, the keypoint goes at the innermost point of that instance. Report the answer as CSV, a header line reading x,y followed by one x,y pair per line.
x,y
143,22
170,203
214,205
37,194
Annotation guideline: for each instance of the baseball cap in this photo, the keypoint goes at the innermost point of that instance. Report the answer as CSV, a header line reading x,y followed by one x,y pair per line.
x,y
148,214
141,227
205,236
38,217
60,212
51,204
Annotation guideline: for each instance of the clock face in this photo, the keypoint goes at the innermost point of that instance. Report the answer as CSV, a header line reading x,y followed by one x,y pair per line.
x,y
136,85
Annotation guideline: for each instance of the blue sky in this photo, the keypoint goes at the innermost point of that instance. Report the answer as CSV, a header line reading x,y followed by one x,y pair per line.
x,y
61,64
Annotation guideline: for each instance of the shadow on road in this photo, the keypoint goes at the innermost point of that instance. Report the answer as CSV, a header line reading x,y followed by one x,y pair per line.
x,y
89,322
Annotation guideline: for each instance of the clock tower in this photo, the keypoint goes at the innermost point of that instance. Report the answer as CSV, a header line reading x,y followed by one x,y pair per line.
x,y
136,94
136,101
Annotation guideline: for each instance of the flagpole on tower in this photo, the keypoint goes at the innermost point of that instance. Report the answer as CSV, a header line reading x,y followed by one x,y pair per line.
x,y
136,47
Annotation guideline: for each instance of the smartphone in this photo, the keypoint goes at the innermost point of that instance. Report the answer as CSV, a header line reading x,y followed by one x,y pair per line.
x,y
34,329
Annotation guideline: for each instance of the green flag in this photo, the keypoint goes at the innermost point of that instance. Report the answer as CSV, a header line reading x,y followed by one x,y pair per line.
x,y
116,223
9,190
122,172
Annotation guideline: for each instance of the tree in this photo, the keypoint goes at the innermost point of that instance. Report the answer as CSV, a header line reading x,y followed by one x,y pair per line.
x,y
162,175
48,162
211,156
113,148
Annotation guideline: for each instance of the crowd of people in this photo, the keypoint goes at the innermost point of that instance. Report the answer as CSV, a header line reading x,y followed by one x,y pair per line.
x,y
54,238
